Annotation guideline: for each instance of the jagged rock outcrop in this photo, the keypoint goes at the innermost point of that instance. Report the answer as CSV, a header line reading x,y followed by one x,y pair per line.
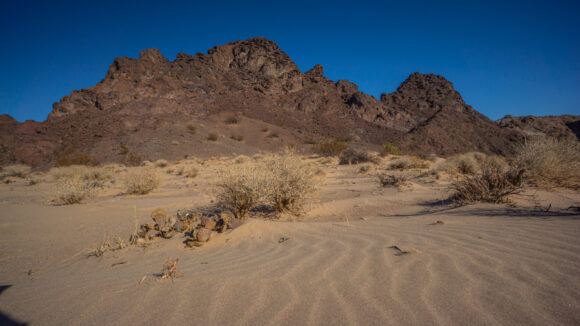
x,y
565,126
143,106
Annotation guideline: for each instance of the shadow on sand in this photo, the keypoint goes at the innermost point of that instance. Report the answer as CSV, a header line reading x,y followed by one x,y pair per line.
x,y
4,318
490,210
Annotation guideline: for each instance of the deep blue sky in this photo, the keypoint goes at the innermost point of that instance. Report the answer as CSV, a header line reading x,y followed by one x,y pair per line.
x,y
519,58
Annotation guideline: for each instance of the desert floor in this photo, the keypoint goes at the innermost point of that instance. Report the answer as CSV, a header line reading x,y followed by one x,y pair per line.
x,y
486,264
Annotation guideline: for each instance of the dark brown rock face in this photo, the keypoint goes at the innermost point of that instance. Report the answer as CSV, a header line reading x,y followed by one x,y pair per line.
x,y
142,108
565,126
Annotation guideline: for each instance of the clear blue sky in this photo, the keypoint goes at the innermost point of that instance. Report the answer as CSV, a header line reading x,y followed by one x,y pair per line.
x,y
515,58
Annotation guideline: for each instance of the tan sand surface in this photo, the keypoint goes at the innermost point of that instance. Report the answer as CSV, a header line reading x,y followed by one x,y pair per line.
x,y
336,265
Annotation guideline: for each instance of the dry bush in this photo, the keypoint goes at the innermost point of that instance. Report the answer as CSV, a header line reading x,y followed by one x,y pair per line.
x,y
331,147
16,170
109,244
467,163
494,184
232,120
242,159
141,181
409,162
242,187
292,182
191,128
281,181
212,136
161,163
237,137
364,168
72,156
72,190
352,156
387,180
550,162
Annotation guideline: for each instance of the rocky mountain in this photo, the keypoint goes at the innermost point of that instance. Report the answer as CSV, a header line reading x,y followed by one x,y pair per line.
x,y
564,126
152,107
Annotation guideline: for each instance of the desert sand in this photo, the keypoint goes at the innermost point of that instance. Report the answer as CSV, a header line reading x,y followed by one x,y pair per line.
x,y
360,255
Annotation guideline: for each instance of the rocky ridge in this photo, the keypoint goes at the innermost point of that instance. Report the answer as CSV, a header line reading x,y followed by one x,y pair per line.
x,y
144,107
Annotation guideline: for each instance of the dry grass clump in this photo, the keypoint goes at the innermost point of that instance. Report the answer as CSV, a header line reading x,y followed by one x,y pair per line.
x,y
331,147
242,159
292,181
212,136
16,170
467,163
108,244
352,156
388,180
409,162
141,181
232,120
494,184
242,187
96,176
161,163
364,168
237,137
550,162
73,190
281,181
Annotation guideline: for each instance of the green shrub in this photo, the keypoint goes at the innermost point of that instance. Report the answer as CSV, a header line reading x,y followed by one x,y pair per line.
x,y
390,148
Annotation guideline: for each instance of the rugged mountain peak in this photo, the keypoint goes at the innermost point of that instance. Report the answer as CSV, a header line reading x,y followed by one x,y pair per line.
x,y
153,55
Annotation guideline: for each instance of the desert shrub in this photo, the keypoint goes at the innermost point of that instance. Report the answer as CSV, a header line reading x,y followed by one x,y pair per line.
x,y
237,137
161,163
494,184
141,181
352,156
292,181
310,141
16,170
364,168
242,159
391,148
273,135
175,142
232,120
331,147
95,176
387,180
212,136
72,156
409,162
467,163
241,187
72,190
191,128
550,162
133,159
123,149
190,171
281,181
265,129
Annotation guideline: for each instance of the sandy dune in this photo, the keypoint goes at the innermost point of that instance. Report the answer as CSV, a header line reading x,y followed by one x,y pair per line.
x,y
485,265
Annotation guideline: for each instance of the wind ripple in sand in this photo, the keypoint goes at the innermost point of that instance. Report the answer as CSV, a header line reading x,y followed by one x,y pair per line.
x,y
472,270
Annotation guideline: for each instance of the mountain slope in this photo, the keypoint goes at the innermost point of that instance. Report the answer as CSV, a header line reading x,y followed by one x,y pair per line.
x,y
143,107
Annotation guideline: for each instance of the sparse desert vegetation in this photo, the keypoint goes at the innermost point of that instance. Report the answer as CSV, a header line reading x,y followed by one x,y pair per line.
x,y
331,147
141,181
352,156
550,162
